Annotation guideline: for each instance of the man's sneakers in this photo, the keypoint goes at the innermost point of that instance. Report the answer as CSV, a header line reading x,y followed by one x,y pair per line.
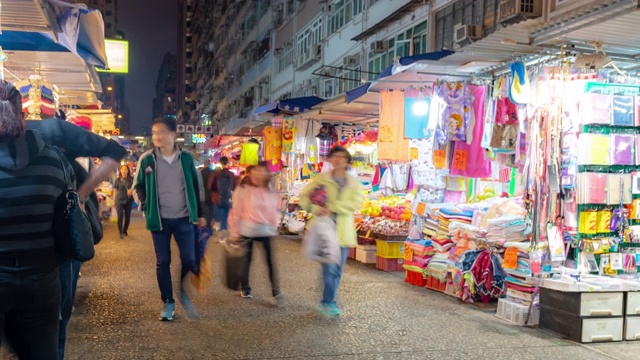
x,y
330,310
246,294
168,310
278,300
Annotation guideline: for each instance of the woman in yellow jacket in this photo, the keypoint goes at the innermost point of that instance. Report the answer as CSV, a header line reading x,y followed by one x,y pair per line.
x,y
344,197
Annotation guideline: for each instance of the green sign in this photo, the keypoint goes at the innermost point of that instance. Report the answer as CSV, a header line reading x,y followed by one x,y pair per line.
x,y
117,56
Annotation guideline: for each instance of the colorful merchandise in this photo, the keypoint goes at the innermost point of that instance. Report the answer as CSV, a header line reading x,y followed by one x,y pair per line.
x,y
249,155
458,111
623,111
272,143
416,125
288,135
391,142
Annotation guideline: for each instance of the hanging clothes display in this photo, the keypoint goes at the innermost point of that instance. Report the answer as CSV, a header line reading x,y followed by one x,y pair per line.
x,y
392,144
272,143
288,135
475,164
458,111
416,123
249,154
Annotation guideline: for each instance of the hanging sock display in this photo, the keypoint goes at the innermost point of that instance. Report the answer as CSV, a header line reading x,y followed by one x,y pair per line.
x,y
392,144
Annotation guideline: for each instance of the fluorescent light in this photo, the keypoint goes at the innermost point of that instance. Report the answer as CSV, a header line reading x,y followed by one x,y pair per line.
x,y
139,137
421,107
180,139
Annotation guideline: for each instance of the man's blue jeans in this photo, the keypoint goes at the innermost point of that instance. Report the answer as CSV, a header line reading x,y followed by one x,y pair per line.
x,y
331,276
222,216
182,231
69,273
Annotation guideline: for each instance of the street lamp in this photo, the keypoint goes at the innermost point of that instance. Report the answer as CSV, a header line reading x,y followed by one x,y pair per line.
x,y
109,88
119,116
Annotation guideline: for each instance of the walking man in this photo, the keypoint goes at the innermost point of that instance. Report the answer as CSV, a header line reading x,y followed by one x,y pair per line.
x,y
167,185
222,183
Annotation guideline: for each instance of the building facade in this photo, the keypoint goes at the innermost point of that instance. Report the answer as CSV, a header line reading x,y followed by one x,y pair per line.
x,y
251,53
165,103
184,87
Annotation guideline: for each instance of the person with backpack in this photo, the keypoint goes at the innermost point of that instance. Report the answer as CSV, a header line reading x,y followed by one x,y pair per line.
x,y
168,187
222,183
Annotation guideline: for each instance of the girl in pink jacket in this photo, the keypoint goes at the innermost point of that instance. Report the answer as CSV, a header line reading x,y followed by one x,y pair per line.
x,y
253,218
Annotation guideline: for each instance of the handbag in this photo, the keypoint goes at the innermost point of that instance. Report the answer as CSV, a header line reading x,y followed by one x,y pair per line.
x,y
91,205
252,230
71,228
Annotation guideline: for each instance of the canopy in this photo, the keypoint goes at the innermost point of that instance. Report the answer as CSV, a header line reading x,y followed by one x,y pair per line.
x,y
338,110
289,106
397,73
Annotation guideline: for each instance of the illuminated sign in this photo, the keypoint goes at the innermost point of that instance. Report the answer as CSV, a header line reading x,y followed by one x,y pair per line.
x,y
117,56
199,138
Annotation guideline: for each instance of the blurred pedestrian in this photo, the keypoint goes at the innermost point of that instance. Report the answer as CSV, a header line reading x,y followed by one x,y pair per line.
x,y
222,183
246,179
167,183
123,198
205,173
344,197
254,218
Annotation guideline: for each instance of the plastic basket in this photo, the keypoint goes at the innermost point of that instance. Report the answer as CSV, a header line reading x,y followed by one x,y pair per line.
x,y
389,250
435,284
415,278
389,264
517,313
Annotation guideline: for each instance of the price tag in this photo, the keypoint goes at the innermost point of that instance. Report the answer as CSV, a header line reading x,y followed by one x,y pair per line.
x,y
408,253
510,259
460,160
591,222
413,154
604,221
421,208
439,159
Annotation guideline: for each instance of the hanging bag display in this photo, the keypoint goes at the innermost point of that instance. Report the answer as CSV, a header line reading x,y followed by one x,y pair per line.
x,y
71,228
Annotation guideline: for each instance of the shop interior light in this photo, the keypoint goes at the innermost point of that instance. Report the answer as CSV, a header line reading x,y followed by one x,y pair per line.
x,y
139,137
180,139
421,106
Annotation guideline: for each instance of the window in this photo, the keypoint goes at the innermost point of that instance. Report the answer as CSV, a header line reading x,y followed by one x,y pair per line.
x,y
108,26
379,62
309,37
108,13
345,11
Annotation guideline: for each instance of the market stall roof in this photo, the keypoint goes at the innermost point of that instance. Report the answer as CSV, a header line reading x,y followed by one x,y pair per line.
x,y
364,109
63,69
80,98
289,106
399,74
28,15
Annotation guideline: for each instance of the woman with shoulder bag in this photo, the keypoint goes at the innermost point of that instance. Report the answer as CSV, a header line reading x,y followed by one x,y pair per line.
x,y
254,218
123,198
33,179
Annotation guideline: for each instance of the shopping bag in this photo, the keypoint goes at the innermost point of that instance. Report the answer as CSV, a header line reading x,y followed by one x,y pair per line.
x,y
321,241
201,280
234,259
113,217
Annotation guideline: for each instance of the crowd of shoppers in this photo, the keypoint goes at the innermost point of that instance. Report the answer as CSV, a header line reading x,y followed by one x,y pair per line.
x,y
37,286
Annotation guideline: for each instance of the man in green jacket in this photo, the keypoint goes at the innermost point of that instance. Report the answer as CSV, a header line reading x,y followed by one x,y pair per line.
x,y
167,184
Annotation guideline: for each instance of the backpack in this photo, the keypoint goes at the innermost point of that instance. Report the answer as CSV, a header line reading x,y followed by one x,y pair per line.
x,y
225,187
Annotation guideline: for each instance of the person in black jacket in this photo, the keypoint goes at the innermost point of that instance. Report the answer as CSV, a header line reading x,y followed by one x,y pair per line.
x,y
31,180
78,143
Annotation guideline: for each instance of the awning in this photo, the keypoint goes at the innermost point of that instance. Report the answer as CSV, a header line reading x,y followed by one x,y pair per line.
x,y
289,106
63,69
398,74
27,15
363,110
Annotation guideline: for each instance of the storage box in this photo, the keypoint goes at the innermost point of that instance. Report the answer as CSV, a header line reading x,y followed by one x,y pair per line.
x,y
366,254
632,328
581,329
517,313
352,253
389,264
584,304
389,250
633,303
415,278
435,284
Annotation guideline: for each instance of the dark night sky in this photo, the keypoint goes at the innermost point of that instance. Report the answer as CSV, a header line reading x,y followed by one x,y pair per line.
x,y
151,26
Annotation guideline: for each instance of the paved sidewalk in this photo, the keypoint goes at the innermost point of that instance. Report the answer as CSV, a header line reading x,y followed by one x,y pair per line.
x,y
118,305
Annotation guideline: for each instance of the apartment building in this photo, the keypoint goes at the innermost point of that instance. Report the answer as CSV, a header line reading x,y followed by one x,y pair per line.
x,y
250,53
165,103
185,67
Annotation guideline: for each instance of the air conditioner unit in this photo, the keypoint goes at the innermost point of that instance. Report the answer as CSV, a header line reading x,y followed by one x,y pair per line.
x,y
467,33
512,11
379,46
351,60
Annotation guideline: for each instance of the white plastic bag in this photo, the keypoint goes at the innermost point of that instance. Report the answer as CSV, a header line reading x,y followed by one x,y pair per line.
x,y
321,241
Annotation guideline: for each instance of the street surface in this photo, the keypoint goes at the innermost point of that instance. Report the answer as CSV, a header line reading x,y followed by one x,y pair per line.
x,y
118,304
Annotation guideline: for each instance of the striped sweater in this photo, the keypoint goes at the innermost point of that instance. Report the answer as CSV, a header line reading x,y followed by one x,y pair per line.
x,y
31,180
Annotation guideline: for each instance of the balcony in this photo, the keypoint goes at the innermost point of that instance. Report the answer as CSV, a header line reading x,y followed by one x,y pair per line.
x,y
311,57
